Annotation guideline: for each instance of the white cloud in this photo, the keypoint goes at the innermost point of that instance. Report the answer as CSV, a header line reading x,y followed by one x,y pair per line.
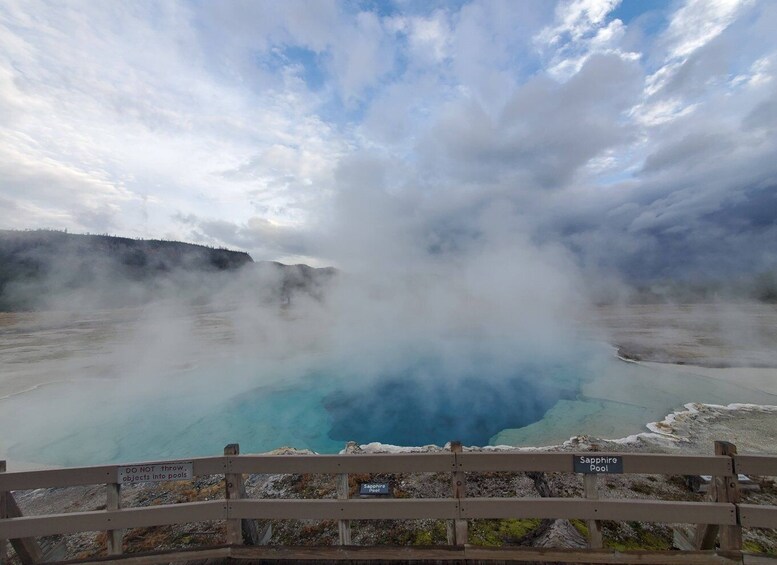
x,y
260,125
149,121
430,37
362,55
697,23
694,25
661,112
576,19
760,73
581,31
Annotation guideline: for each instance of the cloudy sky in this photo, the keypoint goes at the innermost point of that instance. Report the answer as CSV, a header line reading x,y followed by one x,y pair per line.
x,y
639,136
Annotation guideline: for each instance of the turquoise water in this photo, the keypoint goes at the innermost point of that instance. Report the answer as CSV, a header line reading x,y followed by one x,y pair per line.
x,y
435,398
196,413
621,398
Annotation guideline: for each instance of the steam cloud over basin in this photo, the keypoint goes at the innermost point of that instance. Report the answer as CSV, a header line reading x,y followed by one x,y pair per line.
x,y
188,414
430,349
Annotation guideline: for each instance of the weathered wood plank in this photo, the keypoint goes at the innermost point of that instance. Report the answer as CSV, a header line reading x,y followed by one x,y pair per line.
x,y
232,482
100,520
639,510
155,557
643,463
26,547
759,559
113,502
545,555
516,462
763,465
347,553
459,528
353,509
706,536
448,554
399,463
727,488
79,476
343,526
758,516
591,490
344,463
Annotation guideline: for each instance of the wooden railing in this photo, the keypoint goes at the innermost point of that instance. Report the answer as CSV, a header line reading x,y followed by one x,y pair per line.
x,y
723,516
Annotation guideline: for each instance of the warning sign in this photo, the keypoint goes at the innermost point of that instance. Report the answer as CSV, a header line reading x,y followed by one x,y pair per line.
x,y
154,472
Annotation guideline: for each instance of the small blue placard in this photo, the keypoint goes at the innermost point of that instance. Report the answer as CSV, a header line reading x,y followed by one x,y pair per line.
x,y
374,489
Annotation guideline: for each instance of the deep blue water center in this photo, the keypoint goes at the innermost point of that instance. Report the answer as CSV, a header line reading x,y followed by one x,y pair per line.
x,y
405,411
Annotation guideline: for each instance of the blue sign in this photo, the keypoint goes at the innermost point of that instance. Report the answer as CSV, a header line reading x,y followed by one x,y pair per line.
x,y
374,489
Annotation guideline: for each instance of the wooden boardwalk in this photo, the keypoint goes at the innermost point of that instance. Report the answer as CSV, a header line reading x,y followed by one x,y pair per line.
x,y
718,521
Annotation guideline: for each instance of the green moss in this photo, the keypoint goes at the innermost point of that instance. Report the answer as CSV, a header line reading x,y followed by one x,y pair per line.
x,y
494,533
753,547
581,527
434,535
645,540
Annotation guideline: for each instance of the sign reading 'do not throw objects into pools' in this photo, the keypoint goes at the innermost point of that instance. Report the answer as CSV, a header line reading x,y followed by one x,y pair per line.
x,y
591,464
155,472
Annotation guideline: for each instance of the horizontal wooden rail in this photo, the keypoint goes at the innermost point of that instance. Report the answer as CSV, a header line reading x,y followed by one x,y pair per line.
x,y
764,465
346,463
401,463
554,555
391,509
98,520
433,553
472,553
634,463
569,508
354,509
82,476
758,516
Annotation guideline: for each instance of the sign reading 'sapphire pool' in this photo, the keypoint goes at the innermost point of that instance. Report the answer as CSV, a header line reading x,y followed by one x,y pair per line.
x,y
367,489
598,464
155,472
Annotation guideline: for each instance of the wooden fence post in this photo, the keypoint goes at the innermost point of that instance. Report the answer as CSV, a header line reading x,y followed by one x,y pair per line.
x,y
721,489
113,502
457,529
343,526
232,481
27,549
344,493
3,514
727,490
590,485
240,531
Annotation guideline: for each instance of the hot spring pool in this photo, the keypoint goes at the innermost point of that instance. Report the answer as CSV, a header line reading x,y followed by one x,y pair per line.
x,y
197,412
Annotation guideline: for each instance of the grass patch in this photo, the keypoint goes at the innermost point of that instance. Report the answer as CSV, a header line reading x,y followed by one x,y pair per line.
x,y
437,534
495,533
642,539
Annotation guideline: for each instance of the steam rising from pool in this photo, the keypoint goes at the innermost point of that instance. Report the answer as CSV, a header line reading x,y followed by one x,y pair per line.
x,y
434,347
319,411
